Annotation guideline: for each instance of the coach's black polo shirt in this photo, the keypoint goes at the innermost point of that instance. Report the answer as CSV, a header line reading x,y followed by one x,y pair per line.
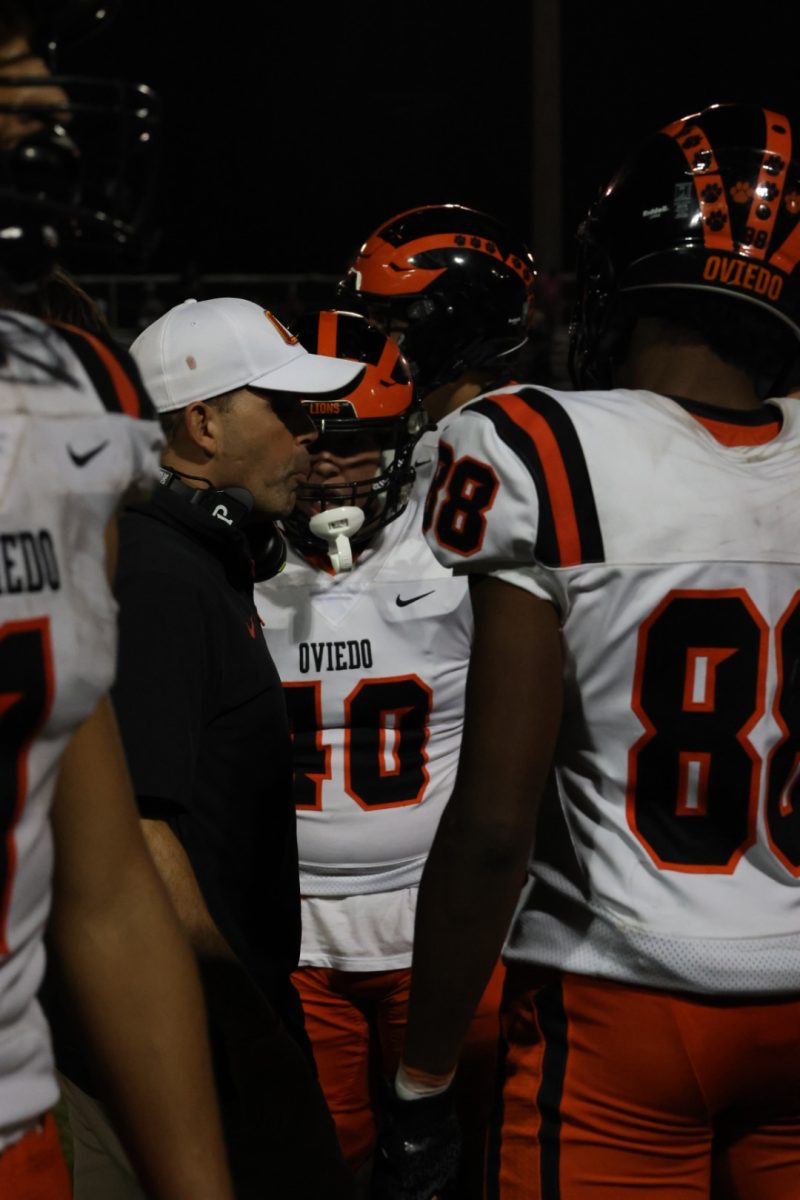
x,y
204,724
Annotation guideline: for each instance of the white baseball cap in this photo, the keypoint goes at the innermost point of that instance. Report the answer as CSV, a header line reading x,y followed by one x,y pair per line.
x,y
202,348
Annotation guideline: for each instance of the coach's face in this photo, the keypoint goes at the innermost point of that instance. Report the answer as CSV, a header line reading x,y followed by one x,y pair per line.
x,y
261,440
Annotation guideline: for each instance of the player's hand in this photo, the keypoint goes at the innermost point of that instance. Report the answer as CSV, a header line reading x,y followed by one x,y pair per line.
x,y
418,1150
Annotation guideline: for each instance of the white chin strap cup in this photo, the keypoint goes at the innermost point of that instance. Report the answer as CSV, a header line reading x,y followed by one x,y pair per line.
x,y
336,526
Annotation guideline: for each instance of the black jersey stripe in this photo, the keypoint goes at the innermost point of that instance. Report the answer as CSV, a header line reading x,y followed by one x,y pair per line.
x,y
113,373
564,431
553,519
525,449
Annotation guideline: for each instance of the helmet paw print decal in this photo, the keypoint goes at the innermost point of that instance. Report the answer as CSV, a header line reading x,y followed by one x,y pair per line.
x,y
716,219
742,192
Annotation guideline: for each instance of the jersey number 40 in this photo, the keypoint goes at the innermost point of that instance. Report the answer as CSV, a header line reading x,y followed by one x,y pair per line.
x,y
385,749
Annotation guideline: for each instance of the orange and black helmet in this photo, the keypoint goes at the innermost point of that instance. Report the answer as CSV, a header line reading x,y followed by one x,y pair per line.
x,y
451,284
380,413
708,207
76,153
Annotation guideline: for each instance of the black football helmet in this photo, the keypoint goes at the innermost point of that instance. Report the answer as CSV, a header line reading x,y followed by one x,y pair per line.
x,y
709,205
76,154
451,284
380,413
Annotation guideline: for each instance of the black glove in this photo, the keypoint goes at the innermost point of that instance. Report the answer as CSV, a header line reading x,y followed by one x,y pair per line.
x,y
418,1149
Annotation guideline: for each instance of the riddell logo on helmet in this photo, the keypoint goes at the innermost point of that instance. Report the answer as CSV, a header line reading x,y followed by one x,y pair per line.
x,y
737,273
323,408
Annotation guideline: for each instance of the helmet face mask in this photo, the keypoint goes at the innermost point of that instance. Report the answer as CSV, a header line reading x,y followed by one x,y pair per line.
x,y
76,153
375,475
362,457
450,284
708,206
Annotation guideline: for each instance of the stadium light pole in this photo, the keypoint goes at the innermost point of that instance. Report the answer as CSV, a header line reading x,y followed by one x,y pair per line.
x,y
546,179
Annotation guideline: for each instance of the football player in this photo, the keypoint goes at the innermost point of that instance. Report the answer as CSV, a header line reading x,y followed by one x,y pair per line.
x,y
454,288
371,638
633,551
76,436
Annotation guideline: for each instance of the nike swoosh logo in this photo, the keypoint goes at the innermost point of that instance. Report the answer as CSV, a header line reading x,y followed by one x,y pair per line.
x,y
81,460
412,599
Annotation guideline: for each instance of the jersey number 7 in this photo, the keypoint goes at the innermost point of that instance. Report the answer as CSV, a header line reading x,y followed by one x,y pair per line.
x,y
26,680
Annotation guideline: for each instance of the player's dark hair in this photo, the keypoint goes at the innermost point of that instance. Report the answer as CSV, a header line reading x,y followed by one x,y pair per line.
x,y
170,422
59,298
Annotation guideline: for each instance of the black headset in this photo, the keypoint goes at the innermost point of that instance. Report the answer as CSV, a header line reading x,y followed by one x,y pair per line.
x,y
231,505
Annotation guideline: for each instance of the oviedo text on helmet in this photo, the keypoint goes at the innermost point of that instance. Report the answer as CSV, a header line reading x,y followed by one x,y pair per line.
x,y
735,272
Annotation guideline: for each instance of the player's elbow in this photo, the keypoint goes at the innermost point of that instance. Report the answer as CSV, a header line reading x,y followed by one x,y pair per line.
x,y
493,845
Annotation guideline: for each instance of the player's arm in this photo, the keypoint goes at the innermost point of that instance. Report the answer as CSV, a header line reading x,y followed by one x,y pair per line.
x,y
132,974
476,866
473,876
238,1006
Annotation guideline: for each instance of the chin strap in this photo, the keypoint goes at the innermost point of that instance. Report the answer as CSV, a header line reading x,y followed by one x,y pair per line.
x,y
336,526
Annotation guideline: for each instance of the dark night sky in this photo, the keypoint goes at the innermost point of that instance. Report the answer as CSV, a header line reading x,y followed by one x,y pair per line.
x,y
290,131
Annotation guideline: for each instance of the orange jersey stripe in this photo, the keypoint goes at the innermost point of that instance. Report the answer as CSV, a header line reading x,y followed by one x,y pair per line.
x,y
740,435
556,478
123,387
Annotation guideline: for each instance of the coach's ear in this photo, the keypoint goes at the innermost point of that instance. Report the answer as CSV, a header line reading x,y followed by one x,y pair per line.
x,y
201,426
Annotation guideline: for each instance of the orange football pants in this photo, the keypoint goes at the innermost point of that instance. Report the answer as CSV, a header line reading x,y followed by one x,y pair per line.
x,y
356,1022
33,1168
611,1092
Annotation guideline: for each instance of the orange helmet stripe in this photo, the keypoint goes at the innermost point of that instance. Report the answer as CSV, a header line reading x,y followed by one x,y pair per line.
x,y
786,257
772,175
388,359
394,274
707,182
327,329
382,276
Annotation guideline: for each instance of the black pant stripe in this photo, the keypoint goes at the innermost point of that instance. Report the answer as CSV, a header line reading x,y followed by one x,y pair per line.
x,y
549,1004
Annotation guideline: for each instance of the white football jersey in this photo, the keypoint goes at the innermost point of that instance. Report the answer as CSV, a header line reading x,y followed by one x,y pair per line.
x,y
667,534
72,445
374,664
